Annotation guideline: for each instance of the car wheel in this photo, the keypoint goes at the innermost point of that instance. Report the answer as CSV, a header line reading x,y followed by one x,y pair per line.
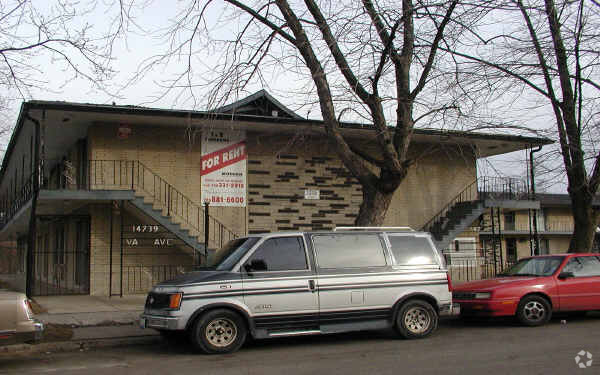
x,y
534,311
219,331
416,319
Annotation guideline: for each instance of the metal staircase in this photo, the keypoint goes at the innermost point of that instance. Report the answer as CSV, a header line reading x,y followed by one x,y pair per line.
x,y
161,201
461,211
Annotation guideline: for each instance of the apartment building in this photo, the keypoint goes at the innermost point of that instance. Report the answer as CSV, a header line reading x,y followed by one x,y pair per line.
x,y
109,199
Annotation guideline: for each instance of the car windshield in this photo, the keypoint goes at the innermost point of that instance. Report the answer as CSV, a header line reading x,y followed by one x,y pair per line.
x,y
227,256
544,266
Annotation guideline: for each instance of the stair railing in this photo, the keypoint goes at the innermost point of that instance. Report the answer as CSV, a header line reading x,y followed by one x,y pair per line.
x,y
468,194
499,188
134,175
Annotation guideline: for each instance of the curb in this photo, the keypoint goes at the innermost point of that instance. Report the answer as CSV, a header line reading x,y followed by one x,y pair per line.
x,y
74,345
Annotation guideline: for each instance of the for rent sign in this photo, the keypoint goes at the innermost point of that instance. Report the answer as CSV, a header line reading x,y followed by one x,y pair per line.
x,y
223,168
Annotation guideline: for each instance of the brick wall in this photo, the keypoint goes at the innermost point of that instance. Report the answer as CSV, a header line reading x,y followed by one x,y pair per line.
x,y
144,264
279,172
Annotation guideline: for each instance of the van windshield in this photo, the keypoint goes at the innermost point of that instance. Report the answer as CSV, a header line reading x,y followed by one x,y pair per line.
x,y
227,256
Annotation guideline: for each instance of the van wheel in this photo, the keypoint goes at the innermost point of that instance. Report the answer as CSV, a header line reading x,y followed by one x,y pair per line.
x,y
534,311
219,331
416,319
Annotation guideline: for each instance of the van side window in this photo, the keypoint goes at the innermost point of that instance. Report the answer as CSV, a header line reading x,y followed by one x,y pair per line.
x,y
349,250
411,250
278,254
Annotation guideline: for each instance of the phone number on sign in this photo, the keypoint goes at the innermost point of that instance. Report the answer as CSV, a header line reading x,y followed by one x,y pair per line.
x,y
225,185
221,199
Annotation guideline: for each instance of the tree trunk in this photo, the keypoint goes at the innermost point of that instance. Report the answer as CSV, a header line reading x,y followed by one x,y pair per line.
x,y
373,208
586,220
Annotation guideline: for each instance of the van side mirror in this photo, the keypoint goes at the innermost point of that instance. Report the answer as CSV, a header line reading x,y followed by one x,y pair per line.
x,y
565,275
256,265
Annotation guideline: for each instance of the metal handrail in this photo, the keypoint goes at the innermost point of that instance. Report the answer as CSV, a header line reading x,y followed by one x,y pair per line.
x,y
11,205
466,195
134,175
484,188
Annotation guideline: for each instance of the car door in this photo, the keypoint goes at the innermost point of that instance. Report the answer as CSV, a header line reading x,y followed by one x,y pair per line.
x,y
582,290
279,284
351,276
8,317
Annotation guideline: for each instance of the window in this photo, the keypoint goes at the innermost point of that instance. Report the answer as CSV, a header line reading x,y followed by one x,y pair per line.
x,y
279,254
349,250
509,221
544,247
511,250
411,250
583,266
232,252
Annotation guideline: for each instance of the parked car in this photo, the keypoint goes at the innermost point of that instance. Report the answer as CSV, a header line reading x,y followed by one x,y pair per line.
x,y
17,323
306,283
534,288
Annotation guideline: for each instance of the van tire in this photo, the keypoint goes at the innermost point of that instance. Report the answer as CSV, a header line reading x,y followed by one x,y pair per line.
x,y
218,331
416,319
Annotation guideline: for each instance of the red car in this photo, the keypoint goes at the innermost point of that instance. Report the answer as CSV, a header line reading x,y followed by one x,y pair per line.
x,y
534,288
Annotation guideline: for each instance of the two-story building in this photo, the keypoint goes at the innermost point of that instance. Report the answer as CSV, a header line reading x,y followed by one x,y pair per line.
x,y
515,230
109,199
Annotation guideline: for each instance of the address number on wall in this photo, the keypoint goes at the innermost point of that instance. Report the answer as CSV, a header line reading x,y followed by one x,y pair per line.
x,y
142,228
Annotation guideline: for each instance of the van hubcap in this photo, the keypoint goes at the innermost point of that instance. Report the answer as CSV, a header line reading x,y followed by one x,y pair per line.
x,y
221,332
534,311
417,320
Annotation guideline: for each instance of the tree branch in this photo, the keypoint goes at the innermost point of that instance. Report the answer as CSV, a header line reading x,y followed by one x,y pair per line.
x,y
434,47
262,19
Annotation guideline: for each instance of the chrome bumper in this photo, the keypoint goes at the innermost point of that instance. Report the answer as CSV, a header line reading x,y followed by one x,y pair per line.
x,y
39,330
450,309
159,322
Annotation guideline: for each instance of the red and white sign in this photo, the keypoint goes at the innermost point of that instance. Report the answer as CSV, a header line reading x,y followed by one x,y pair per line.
x,y
223,168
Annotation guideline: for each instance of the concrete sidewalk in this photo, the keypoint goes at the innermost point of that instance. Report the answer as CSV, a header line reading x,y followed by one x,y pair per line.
x,y
85,311
87,322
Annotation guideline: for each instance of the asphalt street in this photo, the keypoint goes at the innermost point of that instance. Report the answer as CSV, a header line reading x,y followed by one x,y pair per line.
x,y
482,348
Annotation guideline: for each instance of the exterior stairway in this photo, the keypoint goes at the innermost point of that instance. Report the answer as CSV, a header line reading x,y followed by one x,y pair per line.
x,y
469,204
162,202
456,220
178,229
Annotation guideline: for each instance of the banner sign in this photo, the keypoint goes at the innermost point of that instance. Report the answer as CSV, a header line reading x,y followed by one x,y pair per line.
x,y
223,168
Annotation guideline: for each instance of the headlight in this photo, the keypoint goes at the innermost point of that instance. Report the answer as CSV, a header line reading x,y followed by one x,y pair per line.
x,y
482,295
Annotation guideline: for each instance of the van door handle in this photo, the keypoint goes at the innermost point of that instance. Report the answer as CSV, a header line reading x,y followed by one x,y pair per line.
x,y
311,286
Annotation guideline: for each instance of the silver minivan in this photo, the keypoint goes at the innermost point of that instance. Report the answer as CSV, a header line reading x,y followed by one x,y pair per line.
x,y
306,283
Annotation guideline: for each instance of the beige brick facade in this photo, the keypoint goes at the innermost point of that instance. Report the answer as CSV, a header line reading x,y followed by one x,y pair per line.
x,y
278,177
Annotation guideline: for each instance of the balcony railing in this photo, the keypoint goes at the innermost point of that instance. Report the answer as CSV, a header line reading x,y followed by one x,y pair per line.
x,y
549,226
127,175
12,204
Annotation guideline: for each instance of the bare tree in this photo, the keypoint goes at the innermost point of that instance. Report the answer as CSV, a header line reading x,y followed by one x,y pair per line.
x,y
550,50
35,35
371,59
